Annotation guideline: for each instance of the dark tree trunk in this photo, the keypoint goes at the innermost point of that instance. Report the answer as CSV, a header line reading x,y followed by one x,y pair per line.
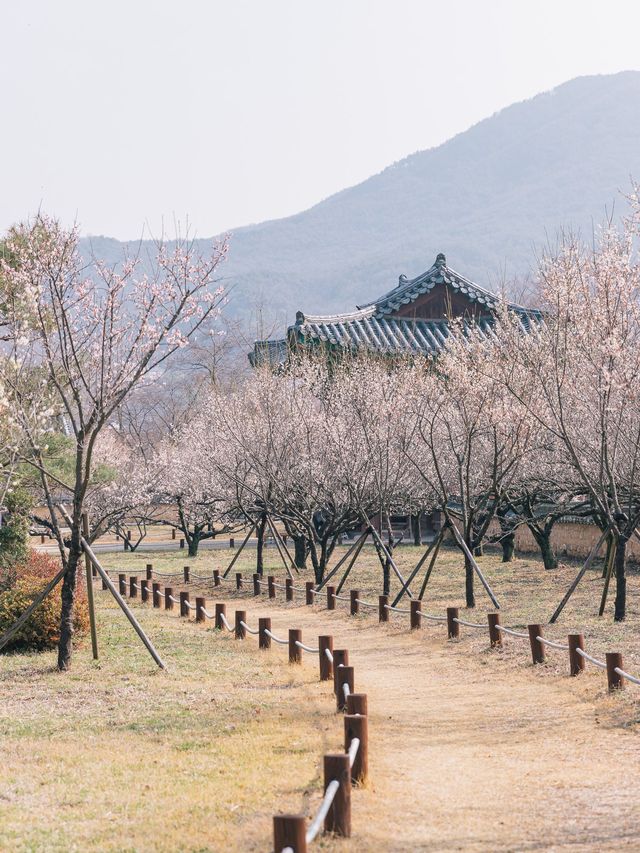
x,y
621,581
468,572
194,542
543,541
508,543
65,643
262,526
478,551
415,528
300,551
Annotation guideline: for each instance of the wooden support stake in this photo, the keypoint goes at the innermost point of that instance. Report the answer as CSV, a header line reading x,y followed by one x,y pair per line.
x,y
495,636
184,600
345,676
239,551
288,593
340,656
338,819
289,833
238,580
355,726
309,592
453,628
155,594
537,648
200,605
331,598
354,595
357,704
576,661
122,584
89,571
415,618
383,610
241,631
271,586
221,610
133,586
592,555
264,640
168,603
325,642
615,680
295,652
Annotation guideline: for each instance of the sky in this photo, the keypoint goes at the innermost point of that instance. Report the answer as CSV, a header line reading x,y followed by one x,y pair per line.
x,y
130,117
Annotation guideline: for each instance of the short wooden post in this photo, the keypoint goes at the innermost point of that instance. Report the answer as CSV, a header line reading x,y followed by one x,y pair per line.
x,y
453,628
232,542
355,726
383,609
216,577
256,584
271,586
340,656
615,680
42,538
338,819
576,661
200,605
155,594
331,598
295,652
495,635
133,587
144,590
309,591
537,648
182,543
325,642
357,704
122,584
238,580
288,589
264,640
289,833
173,533
149,570
415,613
241,631
221,610
184,602
187,574
354,606
345,676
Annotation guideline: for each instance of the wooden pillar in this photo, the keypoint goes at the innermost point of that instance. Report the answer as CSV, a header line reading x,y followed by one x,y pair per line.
x,y
537,648
144,590
149,571
289,833
338,819
155,594
325,641
453,628
354,607
241,631
200,605
357,704
168,603
221,610
331,598
614,679
133,586
309,592
295,652
264,640
238,580
122,584
187,574
216,577
288,589
340,656
495,635
271,586
576,661
415,609
184,601
355,726
256,583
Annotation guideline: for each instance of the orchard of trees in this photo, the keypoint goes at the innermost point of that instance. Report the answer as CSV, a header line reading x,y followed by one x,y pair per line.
x,y
523,427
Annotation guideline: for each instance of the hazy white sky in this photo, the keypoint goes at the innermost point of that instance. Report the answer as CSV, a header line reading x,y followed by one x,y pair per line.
x,y
122,113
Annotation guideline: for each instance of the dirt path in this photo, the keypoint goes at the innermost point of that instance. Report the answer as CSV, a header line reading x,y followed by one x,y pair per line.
x,y
470,752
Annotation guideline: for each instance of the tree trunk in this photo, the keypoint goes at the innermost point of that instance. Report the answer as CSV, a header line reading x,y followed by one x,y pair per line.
x,y
468,572
262,526
194,542
415,527
508,543
68,595
543,541
300,551
621,580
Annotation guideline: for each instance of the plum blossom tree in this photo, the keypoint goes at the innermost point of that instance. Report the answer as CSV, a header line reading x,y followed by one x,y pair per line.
x,y
95,333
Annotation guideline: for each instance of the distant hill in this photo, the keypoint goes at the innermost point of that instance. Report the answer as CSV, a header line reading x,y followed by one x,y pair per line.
x,y
486,198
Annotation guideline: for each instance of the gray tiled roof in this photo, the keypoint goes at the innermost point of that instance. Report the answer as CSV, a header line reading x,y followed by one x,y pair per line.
x,y
273,353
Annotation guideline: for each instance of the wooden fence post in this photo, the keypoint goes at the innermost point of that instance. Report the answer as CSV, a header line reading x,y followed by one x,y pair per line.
x,y
495,635
173,533
289,833
200,605
355,725
168,593
181,543
184,602
354,595
221,610
149,570
271,581
357,704
537,648
383,611
331,598
288,589
241,631
133,586
256,583
340,656
238,580
415,617
216,577
453,628
576,661
615,680
155,594
144,590
264,640
345,676
309,592
338,819
295,652
325,641
122,584
186,572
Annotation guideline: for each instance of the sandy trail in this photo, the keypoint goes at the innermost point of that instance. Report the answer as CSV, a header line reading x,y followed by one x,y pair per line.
x,y
469,754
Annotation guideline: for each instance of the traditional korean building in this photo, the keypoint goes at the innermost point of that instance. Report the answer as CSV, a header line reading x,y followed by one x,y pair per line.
x,y
413,317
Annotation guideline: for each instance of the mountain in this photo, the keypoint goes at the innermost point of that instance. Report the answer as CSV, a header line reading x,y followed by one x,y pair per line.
x,y
486,198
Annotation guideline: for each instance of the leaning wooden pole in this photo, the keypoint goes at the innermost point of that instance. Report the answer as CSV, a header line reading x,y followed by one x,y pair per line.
x,y
390,558
432,563
239,551
463,545
280,537
276,539
421,561
114,592
343,559
578,578
92,610
352,563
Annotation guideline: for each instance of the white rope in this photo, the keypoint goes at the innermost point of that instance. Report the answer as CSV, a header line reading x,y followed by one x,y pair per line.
x,y
626,675
207,614
560,646
354,746
175,600
341,597
223,619
365,603
247,628
468,624
592,660
329,796
433,618
306,648
329,655
397,609
276,639
190,606
346,690
279,585
510,631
